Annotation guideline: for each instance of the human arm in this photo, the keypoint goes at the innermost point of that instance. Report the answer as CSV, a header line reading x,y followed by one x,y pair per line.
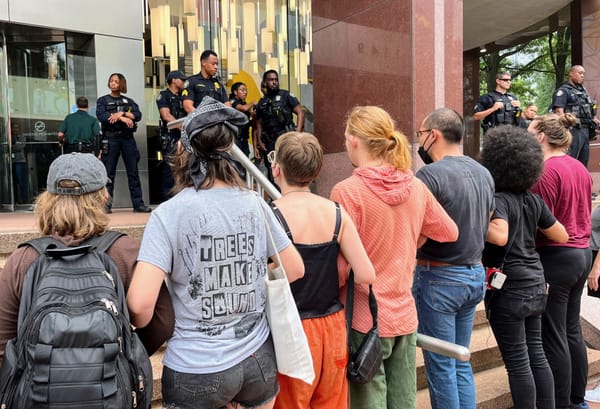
x,y
143,292
497,232
166,115
292,263
11,283
102,110
257,135
300,114
592,280
486,106
556,232
188,105
354,252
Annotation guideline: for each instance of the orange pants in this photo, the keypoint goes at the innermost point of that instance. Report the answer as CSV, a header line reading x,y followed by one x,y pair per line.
x,y
327,339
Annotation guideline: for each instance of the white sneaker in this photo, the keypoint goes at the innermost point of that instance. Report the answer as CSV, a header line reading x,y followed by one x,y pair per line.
x,y
593,395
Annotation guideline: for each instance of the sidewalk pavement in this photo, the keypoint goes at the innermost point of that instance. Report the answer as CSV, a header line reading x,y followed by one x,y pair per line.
x,y
25,221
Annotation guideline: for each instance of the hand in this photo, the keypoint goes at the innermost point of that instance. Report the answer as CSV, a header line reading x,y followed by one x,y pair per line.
x,y
515,103
113,118
498,105
592,280
128,121
256,152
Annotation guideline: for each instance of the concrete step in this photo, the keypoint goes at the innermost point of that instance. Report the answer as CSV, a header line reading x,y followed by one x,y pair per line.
x,y
492,386
484,353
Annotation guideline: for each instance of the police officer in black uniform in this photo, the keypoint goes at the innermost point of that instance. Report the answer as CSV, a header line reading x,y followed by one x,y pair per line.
x,y
572,97
205,83
498,107
170,108
274,116
118,116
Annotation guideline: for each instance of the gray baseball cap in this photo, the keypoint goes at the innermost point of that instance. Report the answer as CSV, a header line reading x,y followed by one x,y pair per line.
x,y
83,168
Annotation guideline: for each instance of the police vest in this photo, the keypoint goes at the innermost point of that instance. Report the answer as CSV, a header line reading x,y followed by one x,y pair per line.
x,y
509,115
579,103
276,114
120,104
175,104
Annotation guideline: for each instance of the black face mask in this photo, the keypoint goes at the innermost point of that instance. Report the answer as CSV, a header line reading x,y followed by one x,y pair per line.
x,y
423,153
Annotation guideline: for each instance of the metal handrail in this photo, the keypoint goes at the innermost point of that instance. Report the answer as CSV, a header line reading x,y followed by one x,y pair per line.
x,y
256,180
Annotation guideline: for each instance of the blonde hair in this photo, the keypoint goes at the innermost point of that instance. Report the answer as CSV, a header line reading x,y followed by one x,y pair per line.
x,y
300,156
377,129
556,129
70,215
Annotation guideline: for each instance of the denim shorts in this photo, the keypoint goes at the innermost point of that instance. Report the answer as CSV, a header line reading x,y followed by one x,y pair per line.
x,y
251,383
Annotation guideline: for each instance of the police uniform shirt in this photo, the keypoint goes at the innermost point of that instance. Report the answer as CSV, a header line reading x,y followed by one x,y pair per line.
x,y
265,110
174,102
199,87
486,101
80,127
568,96
108,105
244,129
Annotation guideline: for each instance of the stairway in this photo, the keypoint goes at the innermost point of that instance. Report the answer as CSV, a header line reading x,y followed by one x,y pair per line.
x,y
491,380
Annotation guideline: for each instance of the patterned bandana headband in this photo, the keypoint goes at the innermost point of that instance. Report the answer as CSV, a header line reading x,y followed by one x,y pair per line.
x,y
209,113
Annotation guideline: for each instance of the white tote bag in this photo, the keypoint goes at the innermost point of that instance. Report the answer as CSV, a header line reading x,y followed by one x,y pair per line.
x,y
291,346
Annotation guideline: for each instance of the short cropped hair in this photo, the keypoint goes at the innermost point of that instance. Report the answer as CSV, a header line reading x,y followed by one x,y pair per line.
x,y
300,156
448,122
82,102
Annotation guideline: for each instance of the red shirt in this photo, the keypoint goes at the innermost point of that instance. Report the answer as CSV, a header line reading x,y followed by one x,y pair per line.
x,y
566,187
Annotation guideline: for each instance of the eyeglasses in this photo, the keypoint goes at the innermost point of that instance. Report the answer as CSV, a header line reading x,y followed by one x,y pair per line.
x,y
420,133
271,156
505,79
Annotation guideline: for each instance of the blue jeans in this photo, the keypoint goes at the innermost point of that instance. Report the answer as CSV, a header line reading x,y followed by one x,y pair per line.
x,y
446,298
515,316
126,147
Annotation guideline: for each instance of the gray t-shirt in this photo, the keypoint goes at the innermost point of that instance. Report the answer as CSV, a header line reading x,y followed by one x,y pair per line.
x,y
465,189
213,245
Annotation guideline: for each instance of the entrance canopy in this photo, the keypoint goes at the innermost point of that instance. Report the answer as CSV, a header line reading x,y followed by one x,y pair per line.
x,y
496,25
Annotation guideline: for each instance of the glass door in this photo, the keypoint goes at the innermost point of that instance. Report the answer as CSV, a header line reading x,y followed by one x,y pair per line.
x,y
6,142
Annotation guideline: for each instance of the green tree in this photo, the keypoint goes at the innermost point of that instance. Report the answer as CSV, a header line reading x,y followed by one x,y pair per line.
x,y
537,67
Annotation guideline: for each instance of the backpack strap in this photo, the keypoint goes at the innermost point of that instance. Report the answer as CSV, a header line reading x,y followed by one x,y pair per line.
x,y
102,243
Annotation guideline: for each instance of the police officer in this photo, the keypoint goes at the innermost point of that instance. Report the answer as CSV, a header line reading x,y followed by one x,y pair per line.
x,y
571,96
80,132
118,116
170,108
498,107
205,83
237,98
274,116
528,115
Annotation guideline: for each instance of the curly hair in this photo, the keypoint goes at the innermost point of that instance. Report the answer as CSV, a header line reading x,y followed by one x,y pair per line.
x,y
514,158
377,129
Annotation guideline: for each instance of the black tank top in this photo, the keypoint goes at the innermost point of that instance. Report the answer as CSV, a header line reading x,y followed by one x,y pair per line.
x,y
317,293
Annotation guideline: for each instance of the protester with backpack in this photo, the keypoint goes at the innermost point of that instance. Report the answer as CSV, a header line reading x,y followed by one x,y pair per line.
x,y
72,218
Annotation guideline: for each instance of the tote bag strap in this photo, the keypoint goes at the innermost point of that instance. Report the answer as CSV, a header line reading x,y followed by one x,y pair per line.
x,y
269,233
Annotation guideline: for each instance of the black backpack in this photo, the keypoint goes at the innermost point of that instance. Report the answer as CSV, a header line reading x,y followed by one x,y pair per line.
x,y
75,347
